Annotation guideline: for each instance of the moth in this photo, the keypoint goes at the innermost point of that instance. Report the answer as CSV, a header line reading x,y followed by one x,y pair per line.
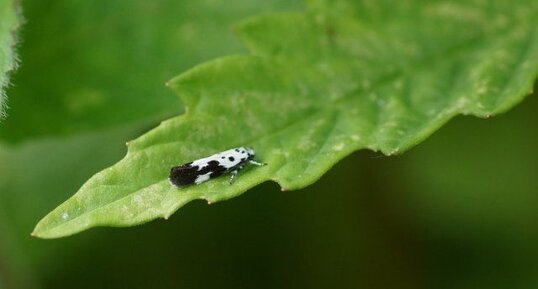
x,y
198,171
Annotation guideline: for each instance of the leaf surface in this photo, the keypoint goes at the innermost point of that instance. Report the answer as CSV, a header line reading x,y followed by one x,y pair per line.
x,y
9,21
317,86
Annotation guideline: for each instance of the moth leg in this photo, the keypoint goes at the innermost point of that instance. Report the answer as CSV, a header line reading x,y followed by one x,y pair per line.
x,y
233,174
257,163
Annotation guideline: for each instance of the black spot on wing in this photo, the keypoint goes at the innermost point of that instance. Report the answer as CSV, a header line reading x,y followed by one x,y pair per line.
x,y
183,175
213,167
216,174
231,159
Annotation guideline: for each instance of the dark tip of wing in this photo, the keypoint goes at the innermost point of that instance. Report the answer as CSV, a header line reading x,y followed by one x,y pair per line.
x,y
183,175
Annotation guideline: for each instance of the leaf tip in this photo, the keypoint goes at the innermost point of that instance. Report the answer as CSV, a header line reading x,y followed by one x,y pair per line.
x,y
39,233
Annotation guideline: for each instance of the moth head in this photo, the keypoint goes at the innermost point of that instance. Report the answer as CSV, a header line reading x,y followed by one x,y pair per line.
x,y
250,153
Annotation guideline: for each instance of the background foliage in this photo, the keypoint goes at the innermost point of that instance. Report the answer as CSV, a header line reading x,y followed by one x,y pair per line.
x,y
457,211
9,21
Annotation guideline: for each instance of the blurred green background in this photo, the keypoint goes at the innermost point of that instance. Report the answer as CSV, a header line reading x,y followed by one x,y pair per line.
x,y
457,211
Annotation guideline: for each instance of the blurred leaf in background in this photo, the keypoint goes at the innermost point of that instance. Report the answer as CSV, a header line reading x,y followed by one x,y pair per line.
x,y
9,22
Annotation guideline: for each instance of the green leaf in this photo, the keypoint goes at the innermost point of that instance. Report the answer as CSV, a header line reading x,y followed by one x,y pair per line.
x,y
9,21
96,64
320,85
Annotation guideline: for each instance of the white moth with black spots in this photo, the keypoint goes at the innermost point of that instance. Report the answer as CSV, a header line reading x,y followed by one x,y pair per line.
x,y
199,171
